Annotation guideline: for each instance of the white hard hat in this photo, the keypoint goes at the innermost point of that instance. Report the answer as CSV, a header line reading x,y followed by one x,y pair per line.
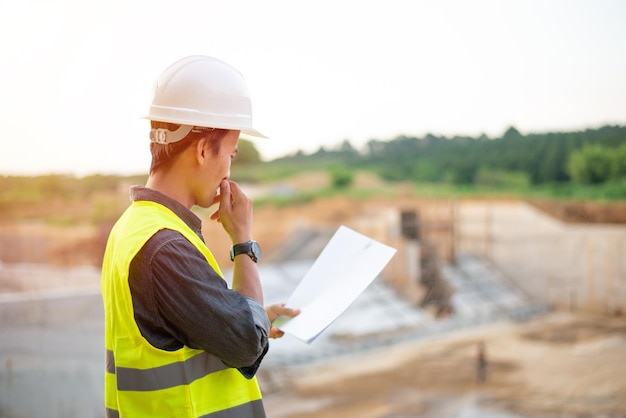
x,y
200,92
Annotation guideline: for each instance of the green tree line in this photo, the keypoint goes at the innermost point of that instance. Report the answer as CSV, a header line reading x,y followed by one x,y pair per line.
x,y
582,159
585,157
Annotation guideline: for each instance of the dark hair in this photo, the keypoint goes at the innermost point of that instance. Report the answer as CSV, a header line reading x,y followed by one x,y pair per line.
x,y
164,154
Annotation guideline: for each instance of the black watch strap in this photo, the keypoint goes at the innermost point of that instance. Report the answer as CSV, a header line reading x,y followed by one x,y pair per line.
x,y
251,248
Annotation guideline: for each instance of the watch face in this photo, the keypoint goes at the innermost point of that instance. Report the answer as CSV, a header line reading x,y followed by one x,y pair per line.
x,y
256,249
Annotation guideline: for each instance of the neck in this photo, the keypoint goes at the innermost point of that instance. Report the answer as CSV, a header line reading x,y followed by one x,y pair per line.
x,y
172,185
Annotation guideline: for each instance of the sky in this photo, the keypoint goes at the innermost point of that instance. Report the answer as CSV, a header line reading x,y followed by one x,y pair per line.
x,y
77,76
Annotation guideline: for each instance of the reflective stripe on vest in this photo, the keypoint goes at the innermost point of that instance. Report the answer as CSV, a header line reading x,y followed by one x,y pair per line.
x,y
250,409
142,380
166,376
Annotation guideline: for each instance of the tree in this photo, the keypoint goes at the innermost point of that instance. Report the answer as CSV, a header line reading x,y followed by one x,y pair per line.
x,y
342,177
619,163
591,164
247,153
346,148
551,164
512,133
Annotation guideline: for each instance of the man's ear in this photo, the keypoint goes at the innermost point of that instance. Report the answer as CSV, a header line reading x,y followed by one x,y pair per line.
x,y
202,150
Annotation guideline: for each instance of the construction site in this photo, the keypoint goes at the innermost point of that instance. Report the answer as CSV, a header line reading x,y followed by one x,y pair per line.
x,y
490,308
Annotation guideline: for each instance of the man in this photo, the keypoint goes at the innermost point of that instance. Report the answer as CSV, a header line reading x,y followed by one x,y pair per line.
x,y
179,342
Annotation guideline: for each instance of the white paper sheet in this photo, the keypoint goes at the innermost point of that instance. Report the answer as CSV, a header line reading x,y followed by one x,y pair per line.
x,y
346,266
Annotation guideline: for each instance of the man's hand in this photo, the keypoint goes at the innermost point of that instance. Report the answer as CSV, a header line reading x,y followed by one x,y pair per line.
x,y
274,311
234,212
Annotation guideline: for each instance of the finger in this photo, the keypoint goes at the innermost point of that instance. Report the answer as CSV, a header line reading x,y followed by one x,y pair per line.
x,y
237,193
273,311
276,333
234,188
225,194
288,311
277,307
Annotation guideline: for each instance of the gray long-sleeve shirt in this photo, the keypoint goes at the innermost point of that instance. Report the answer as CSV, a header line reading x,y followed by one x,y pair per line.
x,y
179,299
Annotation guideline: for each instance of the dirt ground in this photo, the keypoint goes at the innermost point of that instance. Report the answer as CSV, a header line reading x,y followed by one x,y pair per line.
x,y
588,212
561,365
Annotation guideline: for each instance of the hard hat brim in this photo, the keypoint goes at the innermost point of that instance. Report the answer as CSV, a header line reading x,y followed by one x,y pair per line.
x,y
253,133
244,131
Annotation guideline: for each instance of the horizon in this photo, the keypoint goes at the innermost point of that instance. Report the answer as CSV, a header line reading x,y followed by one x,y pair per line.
x,y
327,147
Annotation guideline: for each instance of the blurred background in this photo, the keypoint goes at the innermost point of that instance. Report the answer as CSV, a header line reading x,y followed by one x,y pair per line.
x,y
486,141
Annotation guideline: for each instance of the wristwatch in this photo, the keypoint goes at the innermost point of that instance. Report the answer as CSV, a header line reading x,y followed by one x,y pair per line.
x,y
251,248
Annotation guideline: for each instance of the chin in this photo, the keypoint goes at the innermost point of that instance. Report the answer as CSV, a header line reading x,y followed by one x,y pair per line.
x,y
205,203
208,202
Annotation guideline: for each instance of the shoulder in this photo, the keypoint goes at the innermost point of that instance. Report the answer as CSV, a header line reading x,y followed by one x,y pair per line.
x,y
167,241
169,256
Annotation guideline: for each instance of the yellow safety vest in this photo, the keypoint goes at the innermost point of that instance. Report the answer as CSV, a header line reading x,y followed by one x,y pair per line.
x,y
144,381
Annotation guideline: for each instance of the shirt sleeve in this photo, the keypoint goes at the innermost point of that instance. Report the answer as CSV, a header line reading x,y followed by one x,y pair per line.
x,y
193,304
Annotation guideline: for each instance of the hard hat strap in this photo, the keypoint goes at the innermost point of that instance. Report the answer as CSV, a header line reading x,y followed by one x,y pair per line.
x,y
165,136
